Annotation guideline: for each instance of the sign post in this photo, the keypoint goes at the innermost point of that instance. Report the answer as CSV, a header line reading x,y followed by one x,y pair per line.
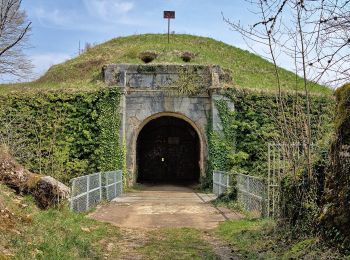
x,y
169,15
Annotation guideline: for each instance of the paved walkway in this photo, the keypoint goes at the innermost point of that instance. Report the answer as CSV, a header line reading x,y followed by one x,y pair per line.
x,y
163,206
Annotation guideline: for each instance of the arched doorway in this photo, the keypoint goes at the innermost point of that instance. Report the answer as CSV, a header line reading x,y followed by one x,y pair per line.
x,y
168,152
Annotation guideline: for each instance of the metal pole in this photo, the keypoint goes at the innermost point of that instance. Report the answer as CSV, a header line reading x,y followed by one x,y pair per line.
x,y
168,30
87,192
72,195
100,180
106,179
115,184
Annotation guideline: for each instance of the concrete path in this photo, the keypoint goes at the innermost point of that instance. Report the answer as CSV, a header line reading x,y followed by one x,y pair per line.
x,y
163,206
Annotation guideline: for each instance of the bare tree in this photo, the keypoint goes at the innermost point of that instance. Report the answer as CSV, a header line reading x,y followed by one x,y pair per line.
x,y
314,36
14,29
316,33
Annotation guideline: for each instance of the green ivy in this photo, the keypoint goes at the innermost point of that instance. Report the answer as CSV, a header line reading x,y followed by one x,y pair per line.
x,y
242,145
63,134
110,152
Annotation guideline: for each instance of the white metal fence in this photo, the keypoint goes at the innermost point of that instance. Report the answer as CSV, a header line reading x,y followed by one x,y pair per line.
x,y
283,158
221,182
89,190
251,190
114,184
252,193
260,194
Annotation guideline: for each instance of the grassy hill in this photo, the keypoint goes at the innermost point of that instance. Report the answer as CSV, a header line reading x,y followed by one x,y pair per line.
x,y
84,71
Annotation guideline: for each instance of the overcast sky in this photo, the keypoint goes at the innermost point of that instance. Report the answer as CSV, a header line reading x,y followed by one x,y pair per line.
x,y
58,26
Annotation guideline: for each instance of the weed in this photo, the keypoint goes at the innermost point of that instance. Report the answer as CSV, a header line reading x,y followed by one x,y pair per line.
x,y
179,243
260,239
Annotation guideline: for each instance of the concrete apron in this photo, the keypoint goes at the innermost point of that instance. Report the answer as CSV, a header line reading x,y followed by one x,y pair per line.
x,y
163,206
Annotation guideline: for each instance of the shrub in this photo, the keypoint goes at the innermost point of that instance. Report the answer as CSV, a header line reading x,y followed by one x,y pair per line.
x,y
187,56
148,56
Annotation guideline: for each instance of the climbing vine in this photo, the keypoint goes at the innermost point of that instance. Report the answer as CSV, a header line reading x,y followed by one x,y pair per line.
x,y
241,146
62,133
190,82
110,151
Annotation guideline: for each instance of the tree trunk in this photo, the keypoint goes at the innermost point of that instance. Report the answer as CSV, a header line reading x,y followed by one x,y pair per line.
x,y
46,191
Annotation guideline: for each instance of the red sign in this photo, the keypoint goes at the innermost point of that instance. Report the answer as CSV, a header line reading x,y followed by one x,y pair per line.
x,y
169,14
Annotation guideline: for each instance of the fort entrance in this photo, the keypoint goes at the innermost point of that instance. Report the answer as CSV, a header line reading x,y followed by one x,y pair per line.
x,y
165,112
168,152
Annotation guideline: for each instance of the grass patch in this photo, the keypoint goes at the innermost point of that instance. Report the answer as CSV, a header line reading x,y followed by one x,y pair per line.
x,y
179,243
260,239
136,187
53,234
244,236
229,202
248,69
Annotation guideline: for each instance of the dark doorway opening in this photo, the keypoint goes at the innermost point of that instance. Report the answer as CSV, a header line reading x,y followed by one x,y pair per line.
x,y
168,152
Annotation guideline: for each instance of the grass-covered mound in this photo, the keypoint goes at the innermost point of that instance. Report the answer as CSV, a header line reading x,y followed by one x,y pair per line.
x,y
84,71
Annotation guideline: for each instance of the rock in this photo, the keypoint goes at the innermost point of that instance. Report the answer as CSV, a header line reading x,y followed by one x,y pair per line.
x,y
110,247
23,206
85,229
335,215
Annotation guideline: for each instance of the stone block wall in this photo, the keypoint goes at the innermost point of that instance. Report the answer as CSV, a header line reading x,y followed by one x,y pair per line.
x,y
146,97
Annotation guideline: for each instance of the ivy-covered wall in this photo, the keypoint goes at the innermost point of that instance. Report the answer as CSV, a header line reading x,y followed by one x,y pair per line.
x,y
242,145
63,133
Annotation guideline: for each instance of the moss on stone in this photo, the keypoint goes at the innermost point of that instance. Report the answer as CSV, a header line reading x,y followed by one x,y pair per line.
x,y
335,215
343,109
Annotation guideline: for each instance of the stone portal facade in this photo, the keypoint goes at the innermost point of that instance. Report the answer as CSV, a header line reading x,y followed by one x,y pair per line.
x,y
187,92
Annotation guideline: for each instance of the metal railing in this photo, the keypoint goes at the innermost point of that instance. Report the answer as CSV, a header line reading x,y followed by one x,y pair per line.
x,y
251,190
89,190
282,158
252,193
114,184
221,182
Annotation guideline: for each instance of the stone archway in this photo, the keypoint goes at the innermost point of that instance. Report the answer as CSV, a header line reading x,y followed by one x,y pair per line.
x,y
145,97
168,150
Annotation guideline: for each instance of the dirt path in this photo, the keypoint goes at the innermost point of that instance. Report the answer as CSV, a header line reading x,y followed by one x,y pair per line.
x,y
132,240
164,206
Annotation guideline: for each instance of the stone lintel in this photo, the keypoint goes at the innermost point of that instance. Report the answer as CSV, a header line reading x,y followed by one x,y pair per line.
x,y
157,76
